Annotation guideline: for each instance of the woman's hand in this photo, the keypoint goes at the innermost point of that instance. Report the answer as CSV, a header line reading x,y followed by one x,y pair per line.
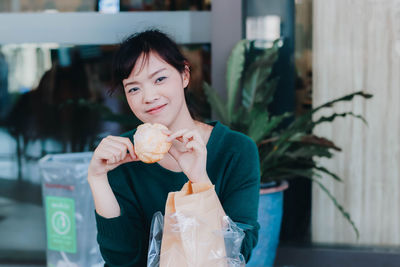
x,y
109,154
190,153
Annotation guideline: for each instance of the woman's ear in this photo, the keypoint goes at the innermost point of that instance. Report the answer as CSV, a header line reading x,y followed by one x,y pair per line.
x,y
186,76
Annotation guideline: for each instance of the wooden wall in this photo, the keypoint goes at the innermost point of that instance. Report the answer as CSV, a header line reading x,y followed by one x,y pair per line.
x,y
356,46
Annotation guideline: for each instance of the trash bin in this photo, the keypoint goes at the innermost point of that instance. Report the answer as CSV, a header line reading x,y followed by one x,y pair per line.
x,y
70,223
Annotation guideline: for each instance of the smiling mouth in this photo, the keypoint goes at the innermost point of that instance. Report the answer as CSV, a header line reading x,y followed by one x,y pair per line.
x,y
155,110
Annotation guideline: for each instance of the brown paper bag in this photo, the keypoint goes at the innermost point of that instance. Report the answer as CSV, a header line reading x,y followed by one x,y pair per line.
x,y
192,228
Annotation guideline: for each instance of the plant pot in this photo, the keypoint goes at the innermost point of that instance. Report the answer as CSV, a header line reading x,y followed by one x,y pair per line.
x,y
270,217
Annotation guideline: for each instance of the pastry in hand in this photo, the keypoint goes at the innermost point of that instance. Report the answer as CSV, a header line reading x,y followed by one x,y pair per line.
x,y
150,142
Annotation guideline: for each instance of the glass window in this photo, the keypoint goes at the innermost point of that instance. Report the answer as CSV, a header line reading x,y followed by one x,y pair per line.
x,y
47,5
267,21
54,99
107,6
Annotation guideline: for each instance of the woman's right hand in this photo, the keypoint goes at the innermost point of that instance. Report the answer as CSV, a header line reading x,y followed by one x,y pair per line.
x,y
109,154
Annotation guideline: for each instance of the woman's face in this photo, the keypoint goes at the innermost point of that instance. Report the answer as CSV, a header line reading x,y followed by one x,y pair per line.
x,y
155,90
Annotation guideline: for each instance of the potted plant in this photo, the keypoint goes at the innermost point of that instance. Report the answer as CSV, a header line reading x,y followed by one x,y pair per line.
x,y
287,145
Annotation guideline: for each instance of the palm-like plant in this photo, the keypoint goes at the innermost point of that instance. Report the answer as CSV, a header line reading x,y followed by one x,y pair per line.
x,y
287,145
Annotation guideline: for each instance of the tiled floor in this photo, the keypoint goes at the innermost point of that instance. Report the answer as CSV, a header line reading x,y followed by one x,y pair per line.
x,y
317,256
22,221
22,226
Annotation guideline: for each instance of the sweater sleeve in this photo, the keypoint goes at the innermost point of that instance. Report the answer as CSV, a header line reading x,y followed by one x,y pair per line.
x,y
241,196
122,239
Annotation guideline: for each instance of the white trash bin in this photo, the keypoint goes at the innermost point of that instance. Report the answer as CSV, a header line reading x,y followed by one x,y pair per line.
x,y
70,222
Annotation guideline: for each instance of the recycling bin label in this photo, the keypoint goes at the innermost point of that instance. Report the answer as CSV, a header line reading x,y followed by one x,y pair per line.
x,y
60,224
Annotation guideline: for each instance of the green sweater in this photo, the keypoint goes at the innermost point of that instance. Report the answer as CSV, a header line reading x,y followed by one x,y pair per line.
x,y
142,189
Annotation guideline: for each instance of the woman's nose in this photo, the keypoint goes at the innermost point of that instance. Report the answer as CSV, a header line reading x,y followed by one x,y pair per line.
x,y
150,95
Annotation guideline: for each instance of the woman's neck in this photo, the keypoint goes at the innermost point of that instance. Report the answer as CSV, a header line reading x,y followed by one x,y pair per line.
x,y
183,121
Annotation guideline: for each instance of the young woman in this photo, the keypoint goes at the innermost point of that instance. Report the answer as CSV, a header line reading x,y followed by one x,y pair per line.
x,y
153,74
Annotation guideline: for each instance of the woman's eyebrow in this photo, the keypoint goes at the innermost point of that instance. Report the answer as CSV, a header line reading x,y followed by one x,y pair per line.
x,y
150,76
157,71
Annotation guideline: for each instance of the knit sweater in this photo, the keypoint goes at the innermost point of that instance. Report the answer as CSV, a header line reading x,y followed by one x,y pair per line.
x,y
141,190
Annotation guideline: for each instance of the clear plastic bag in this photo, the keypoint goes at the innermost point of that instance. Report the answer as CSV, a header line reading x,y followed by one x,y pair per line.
x,y
70,222
191,250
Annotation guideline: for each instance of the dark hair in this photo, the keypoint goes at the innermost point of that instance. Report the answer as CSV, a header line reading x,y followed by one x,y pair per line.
x,y
144,42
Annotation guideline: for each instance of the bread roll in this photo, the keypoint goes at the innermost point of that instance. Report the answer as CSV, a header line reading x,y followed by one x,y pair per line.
x,y
150,142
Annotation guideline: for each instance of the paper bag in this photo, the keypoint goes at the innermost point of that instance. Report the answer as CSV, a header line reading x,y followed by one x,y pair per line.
x,y
193,224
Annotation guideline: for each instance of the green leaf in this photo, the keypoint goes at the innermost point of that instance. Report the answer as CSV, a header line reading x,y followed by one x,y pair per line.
x,y
325,170
310,151
297,137
345,214
312,139
234,72
335,115
265,94
241,120
347,98
260,128
216,103
256,76
305,121
259,122
249,89
277,152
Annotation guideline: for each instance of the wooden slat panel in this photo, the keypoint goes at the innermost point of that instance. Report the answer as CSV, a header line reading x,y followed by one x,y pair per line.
x,y
354,48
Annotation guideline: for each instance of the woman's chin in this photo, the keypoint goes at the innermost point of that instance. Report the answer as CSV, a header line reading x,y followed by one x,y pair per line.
x,y
162,121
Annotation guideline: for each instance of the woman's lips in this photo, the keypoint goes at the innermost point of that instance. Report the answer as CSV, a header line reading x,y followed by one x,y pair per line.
x,y
156,110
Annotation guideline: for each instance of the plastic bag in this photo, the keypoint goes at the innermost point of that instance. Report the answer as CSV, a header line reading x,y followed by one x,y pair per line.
x,y
70,222
194,232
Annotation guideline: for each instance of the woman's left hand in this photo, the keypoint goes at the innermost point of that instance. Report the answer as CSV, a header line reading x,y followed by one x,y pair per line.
x,y
190,153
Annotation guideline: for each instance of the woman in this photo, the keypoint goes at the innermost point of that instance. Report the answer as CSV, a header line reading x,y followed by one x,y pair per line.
x,y
127,192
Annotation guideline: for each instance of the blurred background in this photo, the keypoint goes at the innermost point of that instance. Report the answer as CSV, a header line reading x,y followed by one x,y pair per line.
x,y
55,61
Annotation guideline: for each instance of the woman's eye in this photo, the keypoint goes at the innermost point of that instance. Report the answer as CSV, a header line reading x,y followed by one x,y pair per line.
x,y
160,79
134,89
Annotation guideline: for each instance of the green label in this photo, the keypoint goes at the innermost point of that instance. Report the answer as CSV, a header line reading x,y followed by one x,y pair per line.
x,y
60,224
